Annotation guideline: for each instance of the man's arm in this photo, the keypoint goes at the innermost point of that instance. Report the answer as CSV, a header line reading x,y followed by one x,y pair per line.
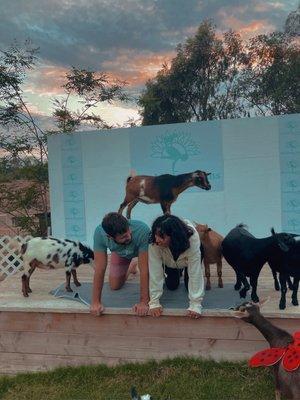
x,y
100,260
141,309
144,277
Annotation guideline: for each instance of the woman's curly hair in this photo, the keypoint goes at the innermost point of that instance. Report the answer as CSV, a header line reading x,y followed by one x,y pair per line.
x,y
178,231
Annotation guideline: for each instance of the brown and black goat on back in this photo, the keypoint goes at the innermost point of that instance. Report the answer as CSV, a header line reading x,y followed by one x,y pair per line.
x,y
163,189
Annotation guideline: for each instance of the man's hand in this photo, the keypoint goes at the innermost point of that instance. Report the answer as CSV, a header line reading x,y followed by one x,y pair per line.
x,y
193,314
96,309
156,312
140,309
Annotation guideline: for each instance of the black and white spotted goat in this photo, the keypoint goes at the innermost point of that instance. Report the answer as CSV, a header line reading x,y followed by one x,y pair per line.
x,y
50,253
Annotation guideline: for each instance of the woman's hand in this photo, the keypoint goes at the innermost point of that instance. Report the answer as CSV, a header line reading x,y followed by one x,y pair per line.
x,y
193,314
156,312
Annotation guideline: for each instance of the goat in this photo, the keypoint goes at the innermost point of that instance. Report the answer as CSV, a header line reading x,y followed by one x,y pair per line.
x,y
163,189
135,396
51,253
286,383
247,255
210,252
287,263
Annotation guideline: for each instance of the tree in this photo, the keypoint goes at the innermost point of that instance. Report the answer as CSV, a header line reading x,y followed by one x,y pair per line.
x,y
24,173
201,82
271,80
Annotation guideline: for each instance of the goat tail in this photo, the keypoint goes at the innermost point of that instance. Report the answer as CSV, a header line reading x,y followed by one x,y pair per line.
x,y
132,175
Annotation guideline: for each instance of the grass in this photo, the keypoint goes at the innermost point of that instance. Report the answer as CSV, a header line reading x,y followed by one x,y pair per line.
x,y
179,378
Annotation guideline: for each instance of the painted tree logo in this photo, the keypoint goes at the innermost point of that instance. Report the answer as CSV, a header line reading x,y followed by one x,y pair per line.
x,y
175,146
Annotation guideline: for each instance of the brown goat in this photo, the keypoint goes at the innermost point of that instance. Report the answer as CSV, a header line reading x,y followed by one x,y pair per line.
x,y
286,383
210,252
163,189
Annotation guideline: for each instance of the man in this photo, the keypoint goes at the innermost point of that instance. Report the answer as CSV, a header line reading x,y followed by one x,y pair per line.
x,y
125,239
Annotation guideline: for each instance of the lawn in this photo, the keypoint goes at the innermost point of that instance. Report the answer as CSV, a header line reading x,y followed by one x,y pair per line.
x,y
179,378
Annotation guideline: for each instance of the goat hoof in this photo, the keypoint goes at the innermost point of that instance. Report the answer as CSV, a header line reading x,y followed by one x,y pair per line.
x,y
68,289
77,283
282,306
277,287
29,290
207,287
243,293
255,299
25,295
237,286
220,285
295,302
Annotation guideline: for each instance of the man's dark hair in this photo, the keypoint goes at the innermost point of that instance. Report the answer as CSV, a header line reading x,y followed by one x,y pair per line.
x,y
178,231
114,224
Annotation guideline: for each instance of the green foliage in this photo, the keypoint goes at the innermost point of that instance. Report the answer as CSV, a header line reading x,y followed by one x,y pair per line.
x,y
271,80
201,83
24,142
92,88
180,378
214,77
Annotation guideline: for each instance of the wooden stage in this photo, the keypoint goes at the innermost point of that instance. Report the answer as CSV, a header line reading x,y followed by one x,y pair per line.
x,y
43,332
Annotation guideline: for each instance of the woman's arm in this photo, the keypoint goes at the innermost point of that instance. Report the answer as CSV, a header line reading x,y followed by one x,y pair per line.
x,y
196,280
156,276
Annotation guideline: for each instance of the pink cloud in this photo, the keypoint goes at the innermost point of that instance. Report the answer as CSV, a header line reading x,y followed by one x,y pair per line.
x,y
137,69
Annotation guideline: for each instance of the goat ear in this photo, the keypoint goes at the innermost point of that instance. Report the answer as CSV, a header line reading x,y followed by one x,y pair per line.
x,y
273,231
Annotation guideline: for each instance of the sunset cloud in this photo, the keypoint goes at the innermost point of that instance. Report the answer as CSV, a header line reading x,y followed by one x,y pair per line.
x,y
128,39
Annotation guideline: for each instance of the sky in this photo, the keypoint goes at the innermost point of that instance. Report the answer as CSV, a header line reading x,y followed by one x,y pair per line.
x,y
127,39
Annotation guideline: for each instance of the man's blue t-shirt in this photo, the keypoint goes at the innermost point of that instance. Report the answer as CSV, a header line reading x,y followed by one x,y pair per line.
x,y
139,240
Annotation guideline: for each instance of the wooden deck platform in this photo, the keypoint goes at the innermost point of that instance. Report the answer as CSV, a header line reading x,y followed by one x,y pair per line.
x,y
42,332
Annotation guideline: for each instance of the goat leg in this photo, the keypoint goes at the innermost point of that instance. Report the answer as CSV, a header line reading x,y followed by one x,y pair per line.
x,y
207,275
238,283
253,283
243,292
166,207
130,207
74,274
24,285
295,292
32,268
289,282
219,270
68,278
282,303
276,283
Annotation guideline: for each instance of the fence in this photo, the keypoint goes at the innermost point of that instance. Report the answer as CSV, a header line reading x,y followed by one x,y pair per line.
x,y
10,260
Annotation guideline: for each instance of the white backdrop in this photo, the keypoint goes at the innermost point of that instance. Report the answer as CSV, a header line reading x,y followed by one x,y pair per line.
x,y
255,166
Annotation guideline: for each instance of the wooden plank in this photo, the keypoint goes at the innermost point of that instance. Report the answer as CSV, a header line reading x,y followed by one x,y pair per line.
x,y
120,346
206,327
12,363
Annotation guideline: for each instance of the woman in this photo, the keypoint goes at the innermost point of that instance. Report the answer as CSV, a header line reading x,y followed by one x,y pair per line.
x,y
175,244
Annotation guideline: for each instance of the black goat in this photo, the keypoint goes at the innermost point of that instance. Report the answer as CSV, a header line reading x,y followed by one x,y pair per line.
x,y
247,255
287,263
